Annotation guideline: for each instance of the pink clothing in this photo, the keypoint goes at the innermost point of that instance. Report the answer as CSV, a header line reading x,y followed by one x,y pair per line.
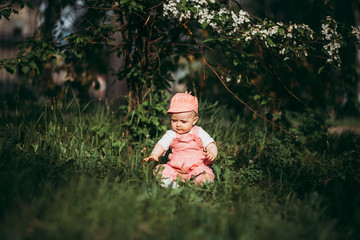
x,y
187,160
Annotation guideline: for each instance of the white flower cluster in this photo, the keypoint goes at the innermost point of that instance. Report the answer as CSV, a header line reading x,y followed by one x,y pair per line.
x,y
281,37
204,16
215,19
326,31
332,49
240,19
329,31
261,31
356,32
229,79
286,39
228,22
170,9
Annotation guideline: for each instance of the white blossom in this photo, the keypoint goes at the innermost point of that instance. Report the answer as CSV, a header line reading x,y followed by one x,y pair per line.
x,y
273,30
329,31
285,38
247,38
239,79
356,32
326,31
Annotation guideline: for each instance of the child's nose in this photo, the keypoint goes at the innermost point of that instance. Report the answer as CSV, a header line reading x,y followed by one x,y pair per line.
x,y
177,124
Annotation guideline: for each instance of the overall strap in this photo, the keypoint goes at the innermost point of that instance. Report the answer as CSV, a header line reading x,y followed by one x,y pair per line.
x,y
195,130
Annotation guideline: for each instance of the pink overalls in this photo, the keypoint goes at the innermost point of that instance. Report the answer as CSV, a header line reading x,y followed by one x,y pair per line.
x,y
186,160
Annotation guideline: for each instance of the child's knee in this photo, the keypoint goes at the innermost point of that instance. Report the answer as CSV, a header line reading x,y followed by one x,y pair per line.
x,y
205,177
165,171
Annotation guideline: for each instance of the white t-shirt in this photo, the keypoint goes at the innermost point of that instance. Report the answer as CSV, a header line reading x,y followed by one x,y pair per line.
x,y
166,140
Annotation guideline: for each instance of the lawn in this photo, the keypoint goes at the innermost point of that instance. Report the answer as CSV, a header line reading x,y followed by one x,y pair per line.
x,y
74,171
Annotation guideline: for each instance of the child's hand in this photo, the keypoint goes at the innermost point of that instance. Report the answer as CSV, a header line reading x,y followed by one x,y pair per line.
x,y
155,154
151,158
209,156
211,152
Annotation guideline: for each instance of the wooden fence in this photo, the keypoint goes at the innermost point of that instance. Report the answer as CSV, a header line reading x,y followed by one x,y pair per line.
x,y
19,27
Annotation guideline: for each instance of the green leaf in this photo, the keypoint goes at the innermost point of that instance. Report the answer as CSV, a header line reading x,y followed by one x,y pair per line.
x,y
155,121
300,30
79,40
257,97
208,40
33,65
10,69
78,55
270,42
320,69
53,59
193,9
118,143
25,69
159,108
204,24
37,53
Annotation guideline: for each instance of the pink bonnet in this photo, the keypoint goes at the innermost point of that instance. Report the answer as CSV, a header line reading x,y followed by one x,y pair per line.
x,y
183,102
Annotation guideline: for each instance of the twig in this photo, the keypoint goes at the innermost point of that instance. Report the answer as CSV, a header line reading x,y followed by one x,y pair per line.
x,y
227,88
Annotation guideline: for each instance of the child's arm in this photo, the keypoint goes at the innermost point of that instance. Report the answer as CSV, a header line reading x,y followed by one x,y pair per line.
x,y
211,151
156,153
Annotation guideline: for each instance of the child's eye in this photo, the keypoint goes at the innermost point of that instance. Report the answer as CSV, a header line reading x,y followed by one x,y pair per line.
x,y
184,121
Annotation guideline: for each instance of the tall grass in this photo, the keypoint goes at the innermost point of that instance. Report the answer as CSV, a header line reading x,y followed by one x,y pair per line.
x,y
68,171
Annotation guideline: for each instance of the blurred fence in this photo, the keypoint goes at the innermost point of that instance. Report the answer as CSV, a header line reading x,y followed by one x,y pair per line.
x,y
19,27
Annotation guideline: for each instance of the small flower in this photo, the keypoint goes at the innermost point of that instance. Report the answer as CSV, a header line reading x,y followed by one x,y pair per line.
x,y
356,32
282,51
239,79
247,38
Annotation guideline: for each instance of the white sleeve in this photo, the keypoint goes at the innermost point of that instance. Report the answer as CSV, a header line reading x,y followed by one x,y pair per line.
x,y
166,139
205,137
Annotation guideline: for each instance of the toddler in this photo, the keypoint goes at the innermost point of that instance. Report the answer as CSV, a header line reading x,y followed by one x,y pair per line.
x,y
193,150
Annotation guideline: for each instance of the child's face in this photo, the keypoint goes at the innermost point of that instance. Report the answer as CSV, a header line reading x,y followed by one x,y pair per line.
x,y
183,122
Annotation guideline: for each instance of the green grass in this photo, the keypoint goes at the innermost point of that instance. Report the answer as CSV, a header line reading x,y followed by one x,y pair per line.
x,y
69,171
